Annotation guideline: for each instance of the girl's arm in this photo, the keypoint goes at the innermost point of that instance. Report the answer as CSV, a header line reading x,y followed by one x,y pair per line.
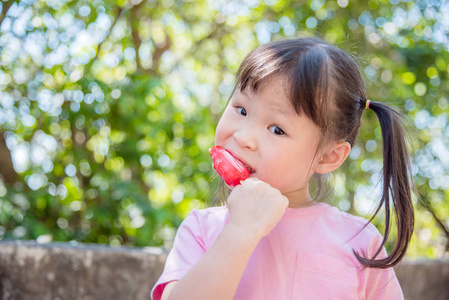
x,y
255,208
218,273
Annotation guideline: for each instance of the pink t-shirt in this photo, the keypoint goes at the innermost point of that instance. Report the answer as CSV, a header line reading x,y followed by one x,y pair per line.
x,y
308,255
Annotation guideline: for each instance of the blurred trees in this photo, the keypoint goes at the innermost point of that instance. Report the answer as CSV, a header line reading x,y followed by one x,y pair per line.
x,y
108,107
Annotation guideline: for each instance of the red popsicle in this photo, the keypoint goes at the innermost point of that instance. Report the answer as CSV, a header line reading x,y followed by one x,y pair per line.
x,y
228,167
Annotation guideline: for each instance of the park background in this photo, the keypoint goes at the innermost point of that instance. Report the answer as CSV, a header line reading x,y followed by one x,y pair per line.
x,y
108,108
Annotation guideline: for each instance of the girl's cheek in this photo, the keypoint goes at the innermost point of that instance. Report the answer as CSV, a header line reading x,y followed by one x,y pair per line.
x,y
219,132
224,124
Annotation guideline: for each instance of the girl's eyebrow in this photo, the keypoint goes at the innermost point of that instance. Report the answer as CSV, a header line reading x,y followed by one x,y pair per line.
x,y
244,93
282,111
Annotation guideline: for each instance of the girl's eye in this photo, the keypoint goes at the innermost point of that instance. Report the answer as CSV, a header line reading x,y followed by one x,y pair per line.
x,y
276,130
241,111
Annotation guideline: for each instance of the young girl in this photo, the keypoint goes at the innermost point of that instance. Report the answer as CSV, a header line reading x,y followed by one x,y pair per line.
x,y
295,113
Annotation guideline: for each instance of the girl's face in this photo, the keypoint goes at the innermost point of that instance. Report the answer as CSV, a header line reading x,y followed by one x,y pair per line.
x,y
266,134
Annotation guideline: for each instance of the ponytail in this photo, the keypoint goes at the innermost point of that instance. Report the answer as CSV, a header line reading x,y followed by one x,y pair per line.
x,y
396,185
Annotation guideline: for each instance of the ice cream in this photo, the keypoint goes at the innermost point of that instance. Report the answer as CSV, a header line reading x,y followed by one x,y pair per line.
x,y
230,169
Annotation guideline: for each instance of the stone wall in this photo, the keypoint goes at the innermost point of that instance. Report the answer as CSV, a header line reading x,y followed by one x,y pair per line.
x,y
78,271
426,279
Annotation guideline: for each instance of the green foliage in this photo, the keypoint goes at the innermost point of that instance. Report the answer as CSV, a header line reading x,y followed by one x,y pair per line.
x,y
108,108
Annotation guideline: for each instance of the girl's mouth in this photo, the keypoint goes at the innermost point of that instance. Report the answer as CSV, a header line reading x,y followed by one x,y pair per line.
x,y
249,168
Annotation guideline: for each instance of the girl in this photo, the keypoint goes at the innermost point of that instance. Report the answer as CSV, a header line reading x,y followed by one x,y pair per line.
x,y
295,113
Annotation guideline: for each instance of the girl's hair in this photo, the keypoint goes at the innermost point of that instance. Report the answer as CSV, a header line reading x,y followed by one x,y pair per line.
x,y
326,85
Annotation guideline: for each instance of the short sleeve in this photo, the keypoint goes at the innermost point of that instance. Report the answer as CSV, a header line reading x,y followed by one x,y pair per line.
x,y
188,248
381,283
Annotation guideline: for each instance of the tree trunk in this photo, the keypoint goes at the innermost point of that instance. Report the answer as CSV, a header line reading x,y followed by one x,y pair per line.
x,y
7,172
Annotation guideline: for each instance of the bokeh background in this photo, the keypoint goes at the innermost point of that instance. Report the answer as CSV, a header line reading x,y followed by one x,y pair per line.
x,y
108,108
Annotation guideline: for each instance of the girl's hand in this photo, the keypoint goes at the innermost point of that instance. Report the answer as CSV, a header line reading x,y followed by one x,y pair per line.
x,y
255,207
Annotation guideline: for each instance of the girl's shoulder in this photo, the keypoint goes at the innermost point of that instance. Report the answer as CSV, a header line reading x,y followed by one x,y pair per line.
x,y
353,223
350,233
210,214
206,223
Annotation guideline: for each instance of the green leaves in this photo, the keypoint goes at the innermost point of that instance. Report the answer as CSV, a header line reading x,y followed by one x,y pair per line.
x,y
108,108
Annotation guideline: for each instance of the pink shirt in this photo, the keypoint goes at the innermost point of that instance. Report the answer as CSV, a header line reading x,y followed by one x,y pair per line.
x,y
308,255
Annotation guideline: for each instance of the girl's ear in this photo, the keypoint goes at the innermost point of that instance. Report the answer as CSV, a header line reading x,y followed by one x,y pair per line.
x,y
333,157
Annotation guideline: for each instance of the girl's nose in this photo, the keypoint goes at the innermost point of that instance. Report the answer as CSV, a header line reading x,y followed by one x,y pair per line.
x,y
246,139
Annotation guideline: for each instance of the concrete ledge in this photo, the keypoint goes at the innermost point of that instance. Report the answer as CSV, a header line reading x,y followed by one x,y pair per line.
x,y
80,271
77,271
424,279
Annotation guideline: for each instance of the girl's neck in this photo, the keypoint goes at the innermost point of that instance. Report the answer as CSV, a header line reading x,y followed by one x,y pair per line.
x,y
300,198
